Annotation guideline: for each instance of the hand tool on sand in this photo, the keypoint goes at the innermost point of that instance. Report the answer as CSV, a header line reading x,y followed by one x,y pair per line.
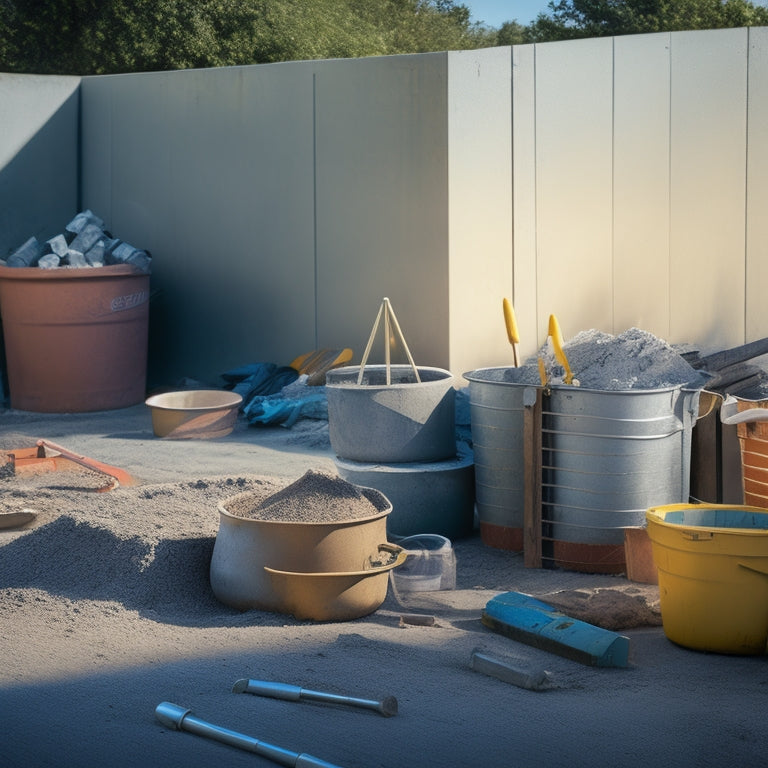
x,y
56,457
512,333
386,706
180,719
119,476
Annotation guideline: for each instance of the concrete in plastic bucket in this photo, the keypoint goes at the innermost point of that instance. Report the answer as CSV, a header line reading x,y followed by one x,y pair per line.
x,y
404,420
435,496
75,339
246,547
712,563
497,401
607,456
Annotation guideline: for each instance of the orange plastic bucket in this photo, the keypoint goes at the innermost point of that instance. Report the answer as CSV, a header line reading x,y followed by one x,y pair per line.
x,y
75,339
751,420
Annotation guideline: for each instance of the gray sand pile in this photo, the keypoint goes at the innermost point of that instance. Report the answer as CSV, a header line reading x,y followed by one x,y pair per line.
x,y
635,359
316,497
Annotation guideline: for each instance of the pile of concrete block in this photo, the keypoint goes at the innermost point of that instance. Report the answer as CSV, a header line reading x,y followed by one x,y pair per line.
x,y
83,243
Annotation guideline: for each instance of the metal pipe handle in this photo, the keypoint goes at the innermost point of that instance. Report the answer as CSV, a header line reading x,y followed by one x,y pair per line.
x,y
180,719
386,706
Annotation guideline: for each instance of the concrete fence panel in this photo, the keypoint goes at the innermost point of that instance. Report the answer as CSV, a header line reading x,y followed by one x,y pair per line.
x,y
613,182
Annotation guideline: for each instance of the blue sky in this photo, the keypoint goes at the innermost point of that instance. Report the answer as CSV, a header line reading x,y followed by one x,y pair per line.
x,y
495,12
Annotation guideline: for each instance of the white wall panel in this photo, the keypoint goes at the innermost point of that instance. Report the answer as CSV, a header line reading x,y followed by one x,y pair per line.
x,y
211,170
708,184
382,202
641,183
612,182
39,173
574,138
524,196
479,206
97,142
756,275
242,161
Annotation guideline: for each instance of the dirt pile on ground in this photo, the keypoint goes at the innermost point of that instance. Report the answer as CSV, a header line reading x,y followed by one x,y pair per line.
x,y
618,608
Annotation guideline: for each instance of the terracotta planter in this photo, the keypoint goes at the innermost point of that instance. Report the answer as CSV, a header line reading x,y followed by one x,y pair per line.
x,y
75,339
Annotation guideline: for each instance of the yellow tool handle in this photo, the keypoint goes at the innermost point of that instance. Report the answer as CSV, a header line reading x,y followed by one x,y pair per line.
x,y
557,342
542,372
512,332
511,322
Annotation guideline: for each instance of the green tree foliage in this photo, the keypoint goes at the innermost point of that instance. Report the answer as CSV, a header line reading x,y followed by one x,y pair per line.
x,y
110,36
84,37
600,18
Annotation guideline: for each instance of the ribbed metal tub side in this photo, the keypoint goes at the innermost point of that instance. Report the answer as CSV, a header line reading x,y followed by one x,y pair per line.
x,y
607,456
497,408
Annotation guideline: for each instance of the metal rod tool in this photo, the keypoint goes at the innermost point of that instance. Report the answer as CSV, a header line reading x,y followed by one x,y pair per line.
x,y
180,719
386,706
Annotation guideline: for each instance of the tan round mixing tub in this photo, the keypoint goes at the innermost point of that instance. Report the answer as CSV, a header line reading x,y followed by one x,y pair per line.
x,y
245,547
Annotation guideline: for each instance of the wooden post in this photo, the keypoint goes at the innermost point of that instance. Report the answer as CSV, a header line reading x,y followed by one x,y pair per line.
x,y
532,557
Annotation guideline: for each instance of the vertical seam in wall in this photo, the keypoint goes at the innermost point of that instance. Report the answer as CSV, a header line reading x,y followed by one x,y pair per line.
x,y
512,160
314,201
613,184
535,191
746,190
112,156
79,148
669,189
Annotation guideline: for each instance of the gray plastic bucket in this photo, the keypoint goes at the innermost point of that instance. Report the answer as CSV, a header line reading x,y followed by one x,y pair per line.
x,y
607,456
497,401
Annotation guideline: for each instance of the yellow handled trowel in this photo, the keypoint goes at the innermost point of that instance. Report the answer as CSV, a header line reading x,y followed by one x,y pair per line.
x,y
557,344
512,333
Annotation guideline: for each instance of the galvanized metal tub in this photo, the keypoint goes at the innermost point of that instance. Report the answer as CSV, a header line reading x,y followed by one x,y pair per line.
x,y
607,456
497,401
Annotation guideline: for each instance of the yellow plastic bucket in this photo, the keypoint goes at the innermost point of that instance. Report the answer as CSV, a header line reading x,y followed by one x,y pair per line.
x,y
712,562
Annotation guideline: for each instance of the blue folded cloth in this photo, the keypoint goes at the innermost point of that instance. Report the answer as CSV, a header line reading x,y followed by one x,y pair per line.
x,y
259,379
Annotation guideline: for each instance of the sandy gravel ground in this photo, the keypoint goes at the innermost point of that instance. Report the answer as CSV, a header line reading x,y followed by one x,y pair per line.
x,y
106,611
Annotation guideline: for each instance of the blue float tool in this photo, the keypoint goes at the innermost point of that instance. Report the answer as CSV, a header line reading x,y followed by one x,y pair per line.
x,y
528,620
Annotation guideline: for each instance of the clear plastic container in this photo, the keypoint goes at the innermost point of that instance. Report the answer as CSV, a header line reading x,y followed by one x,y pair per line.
x,y
430,565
